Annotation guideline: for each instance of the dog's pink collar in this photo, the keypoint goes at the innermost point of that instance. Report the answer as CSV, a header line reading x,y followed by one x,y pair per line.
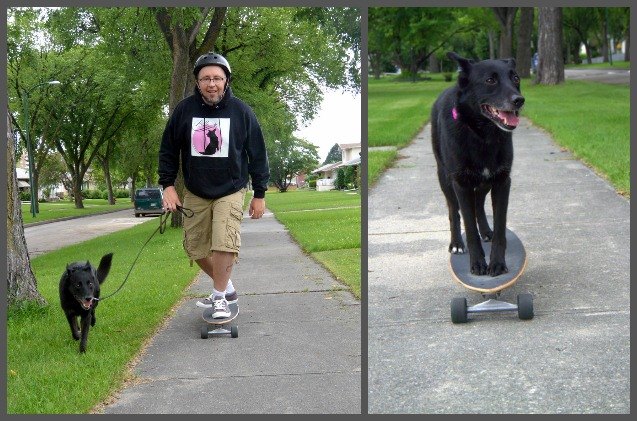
x,y
454,113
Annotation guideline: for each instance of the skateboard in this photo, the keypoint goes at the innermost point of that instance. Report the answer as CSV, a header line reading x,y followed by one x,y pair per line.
x,y
220,326
491,286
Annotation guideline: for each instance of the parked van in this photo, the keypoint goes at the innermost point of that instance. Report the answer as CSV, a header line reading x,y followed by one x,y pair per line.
x,y
148,201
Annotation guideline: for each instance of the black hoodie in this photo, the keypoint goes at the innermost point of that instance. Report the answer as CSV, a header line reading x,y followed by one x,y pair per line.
x,y
219,145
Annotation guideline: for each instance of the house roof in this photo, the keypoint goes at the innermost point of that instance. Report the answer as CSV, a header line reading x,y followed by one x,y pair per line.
x,y
327,167
344,146
355,161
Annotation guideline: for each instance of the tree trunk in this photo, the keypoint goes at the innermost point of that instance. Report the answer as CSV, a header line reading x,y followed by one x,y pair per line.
x,y
492,52
77,193
550,64
523,56
605,50
434,64
21,283
627,53
107,177
506,17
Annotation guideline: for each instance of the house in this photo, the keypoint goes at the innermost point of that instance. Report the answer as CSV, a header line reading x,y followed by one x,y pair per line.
x,y
350,155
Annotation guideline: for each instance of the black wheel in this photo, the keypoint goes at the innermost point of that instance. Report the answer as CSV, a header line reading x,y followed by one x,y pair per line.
x,y
525,306
204,332
234,331
459,310
136,215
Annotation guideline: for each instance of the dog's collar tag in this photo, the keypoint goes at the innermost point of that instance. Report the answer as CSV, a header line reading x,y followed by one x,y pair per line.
x,y
454,113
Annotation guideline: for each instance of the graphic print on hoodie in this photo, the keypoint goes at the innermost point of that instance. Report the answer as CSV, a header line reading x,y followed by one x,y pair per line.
x,y
209,137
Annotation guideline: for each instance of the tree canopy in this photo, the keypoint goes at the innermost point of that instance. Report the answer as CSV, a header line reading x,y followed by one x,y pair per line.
x,y
121,71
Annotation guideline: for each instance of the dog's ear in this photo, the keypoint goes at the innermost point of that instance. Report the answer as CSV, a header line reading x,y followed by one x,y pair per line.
x,y
465,68
104,267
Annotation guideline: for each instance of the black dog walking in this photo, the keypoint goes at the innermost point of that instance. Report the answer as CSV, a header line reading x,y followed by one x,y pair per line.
x,y
79,295
471,125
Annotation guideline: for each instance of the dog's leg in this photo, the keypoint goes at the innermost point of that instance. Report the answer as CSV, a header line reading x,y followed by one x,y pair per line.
x,y
93,319
75,329
467,200
483,225
456,245
86,323
500,201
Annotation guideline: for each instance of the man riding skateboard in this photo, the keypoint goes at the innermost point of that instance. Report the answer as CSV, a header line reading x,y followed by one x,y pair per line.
x,y
215,183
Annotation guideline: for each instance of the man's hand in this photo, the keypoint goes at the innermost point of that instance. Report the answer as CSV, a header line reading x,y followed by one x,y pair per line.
x,y
257,207
171,199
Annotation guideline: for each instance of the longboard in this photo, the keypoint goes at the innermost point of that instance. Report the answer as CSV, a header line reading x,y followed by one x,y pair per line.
x,y
515,260
491,286
219,325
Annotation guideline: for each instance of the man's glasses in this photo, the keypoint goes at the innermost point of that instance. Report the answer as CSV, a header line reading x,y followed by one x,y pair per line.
x,y
217,80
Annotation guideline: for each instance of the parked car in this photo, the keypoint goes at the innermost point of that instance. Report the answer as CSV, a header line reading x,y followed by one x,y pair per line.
x,y
149,201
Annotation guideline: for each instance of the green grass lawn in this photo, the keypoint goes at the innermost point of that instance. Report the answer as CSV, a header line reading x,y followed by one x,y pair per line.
x,y
55,210
327,225
623,65
590,119
377,161
398,109
45,372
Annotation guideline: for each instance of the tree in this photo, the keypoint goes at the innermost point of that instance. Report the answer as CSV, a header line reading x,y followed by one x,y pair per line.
x,y
21,283
523,54
340,179
550,69
506,17
409,36
289,157
334,155
580,22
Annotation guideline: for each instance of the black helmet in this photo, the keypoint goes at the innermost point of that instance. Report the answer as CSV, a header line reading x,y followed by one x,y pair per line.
x,y
209,59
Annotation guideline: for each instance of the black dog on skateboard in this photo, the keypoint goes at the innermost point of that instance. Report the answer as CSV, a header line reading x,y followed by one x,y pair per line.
x,y
79,295
471,125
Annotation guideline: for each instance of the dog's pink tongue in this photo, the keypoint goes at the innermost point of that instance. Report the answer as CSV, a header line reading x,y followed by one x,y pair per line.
x,y
510,119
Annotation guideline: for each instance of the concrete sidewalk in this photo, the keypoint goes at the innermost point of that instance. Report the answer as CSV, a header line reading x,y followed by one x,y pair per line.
x,y
573,357
298,350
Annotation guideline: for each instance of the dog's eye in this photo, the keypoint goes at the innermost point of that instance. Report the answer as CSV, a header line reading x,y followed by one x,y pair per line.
x,y
491,81
516,79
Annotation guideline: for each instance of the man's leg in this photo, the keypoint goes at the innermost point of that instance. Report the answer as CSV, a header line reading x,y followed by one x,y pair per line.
x,y
218,267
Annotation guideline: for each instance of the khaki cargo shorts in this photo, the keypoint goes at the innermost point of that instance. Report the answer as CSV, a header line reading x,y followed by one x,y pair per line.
x,y
215,225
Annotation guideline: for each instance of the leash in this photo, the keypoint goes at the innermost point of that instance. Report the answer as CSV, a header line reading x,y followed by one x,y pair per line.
x,y
163,219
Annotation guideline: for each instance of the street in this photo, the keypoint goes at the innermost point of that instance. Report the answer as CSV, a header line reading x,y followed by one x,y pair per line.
x,y
52,236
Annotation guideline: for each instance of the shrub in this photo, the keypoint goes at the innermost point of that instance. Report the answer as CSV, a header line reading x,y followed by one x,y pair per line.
x,y
340,179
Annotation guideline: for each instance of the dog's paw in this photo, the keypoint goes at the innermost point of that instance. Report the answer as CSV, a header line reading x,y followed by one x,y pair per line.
x,y
456,247
479,267
497,268
487,236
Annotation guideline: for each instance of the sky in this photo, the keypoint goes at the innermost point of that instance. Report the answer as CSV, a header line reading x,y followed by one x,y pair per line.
x,y
338,121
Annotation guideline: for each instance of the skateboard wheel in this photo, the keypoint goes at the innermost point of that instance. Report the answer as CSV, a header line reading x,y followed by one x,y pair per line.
x,y
234,332
204,332
459,310
525,306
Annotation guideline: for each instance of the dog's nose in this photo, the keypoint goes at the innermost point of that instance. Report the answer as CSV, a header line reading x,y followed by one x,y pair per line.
x,y
518,101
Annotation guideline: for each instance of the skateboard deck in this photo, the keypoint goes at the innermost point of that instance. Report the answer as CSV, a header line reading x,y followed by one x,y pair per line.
x,y
515,259
207,315
220,326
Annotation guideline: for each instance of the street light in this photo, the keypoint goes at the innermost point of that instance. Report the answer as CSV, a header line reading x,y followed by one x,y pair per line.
x,y
25,105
